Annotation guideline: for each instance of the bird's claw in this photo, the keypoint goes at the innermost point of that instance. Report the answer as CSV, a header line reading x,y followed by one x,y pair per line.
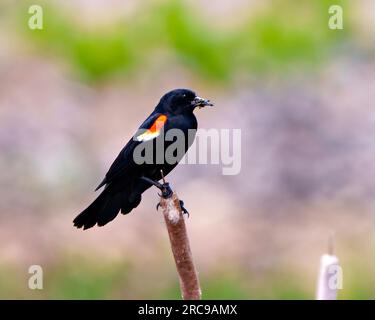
x,y
183,209
166,191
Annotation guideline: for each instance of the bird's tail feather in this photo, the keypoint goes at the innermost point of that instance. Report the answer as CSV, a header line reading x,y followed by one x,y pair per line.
x,y
103,210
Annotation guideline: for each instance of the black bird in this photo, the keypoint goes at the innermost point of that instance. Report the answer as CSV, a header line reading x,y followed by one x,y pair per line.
x,y
128,177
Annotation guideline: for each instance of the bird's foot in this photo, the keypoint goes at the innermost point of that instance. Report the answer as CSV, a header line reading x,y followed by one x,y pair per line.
x,y
183,209
166,191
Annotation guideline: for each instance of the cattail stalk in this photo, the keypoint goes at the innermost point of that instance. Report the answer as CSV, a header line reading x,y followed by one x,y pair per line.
x,y
330,275
174,220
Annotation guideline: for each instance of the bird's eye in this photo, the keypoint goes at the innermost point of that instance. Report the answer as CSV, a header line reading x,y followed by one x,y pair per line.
x,y
184,96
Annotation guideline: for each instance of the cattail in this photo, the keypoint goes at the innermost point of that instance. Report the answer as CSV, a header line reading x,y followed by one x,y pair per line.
x,y
174,220
330,275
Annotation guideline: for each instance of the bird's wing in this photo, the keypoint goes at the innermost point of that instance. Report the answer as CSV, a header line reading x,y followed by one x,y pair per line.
x,y
124,162
151,128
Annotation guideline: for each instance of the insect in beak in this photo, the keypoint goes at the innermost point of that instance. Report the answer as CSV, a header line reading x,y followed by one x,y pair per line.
x,y
200,102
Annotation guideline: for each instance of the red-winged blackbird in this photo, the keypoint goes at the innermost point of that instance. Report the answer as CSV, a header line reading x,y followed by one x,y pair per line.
x,y
127,178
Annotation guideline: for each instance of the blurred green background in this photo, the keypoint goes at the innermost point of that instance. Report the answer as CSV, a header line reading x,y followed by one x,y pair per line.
x,y
72,94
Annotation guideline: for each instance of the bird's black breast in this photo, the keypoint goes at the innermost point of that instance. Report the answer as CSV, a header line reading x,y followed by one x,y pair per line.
x,y
182,122
186,124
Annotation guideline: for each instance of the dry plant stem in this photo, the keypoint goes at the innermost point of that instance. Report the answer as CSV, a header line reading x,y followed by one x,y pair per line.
x,y
178,237
328,263
324,289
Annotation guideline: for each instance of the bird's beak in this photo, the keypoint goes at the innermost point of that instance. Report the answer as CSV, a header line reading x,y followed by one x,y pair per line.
x,y
200,102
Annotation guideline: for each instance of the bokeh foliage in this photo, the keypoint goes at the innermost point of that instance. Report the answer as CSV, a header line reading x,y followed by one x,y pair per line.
x,y
274,39
88,278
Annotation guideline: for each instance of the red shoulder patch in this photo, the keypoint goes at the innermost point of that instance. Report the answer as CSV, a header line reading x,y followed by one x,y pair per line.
x,y
154,130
